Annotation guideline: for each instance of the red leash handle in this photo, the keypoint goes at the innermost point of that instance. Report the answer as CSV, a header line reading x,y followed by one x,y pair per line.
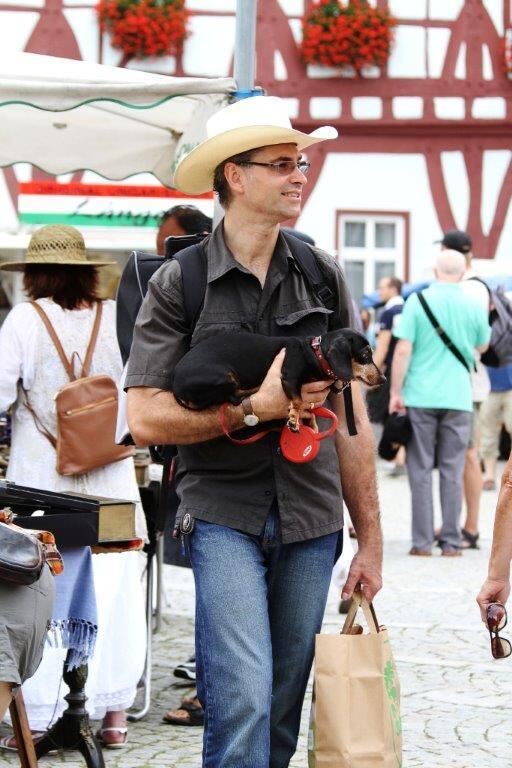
x,y
248,440
326,414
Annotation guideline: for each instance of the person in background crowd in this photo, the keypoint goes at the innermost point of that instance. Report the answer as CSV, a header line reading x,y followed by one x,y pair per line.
x,y
495,412
460,241
264,530
59,277
390,290
435,387
178,221
181,220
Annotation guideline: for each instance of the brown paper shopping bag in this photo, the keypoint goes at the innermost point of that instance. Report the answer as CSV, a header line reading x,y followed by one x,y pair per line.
x,y
355,715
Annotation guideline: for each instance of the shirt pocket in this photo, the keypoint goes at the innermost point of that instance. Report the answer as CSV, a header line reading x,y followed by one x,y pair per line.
x,y
309,321
207,329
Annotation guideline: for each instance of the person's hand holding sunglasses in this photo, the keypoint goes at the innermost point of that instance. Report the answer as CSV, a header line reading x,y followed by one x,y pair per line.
x,y
496,620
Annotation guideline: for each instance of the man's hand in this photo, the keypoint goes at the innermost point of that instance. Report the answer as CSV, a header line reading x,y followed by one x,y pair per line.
x,y
493,591
366,571
396,404
313,395
270,401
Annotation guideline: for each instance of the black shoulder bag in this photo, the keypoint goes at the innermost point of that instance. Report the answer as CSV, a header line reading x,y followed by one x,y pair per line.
x,y
442,333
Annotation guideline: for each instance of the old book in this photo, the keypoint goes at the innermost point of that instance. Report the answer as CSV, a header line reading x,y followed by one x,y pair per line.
x,y
76,519
116,518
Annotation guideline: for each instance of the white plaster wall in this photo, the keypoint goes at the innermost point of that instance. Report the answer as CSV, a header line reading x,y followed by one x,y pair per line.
x,y
15,30
495,166
376,182
446,9
408,54
83,22
209,49
457,186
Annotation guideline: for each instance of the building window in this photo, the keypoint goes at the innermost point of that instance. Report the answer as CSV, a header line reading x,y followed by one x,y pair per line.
x,y
371,246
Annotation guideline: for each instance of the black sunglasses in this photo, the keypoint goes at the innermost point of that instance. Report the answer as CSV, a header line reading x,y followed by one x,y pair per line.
x,y
283,167
496,620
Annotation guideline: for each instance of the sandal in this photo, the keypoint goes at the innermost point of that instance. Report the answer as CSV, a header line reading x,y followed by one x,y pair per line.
x,y
8,743
107,743
181,716
191,705
469,540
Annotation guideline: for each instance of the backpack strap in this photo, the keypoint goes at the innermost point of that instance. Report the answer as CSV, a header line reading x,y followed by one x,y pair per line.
x,y
58,346
92,341
305,257
441,332
194,272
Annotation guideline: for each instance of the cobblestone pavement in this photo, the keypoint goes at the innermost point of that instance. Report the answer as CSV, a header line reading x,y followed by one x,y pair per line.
x,y
456,701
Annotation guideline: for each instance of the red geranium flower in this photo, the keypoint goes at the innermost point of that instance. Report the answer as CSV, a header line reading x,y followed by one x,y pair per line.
x,y
142,28
355,34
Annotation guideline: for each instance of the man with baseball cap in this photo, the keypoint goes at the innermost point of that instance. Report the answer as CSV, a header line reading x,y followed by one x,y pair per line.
x,y
261,531
458,240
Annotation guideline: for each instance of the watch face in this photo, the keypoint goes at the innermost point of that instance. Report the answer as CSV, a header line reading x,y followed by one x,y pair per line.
x,y
251,420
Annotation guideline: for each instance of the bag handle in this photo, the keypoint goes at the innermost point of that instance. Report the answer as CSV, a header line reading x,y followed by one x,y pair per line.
x,y
58,346
359,601
92,341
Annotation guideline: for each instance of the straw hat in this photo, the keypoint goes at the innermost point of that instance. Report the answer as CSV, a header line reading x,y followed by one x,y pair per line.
x,y
255,122
55,244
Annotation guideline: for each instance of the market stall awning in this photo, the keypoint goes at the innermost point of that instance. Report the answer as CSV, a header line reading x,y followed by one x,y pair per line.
x,y
63,115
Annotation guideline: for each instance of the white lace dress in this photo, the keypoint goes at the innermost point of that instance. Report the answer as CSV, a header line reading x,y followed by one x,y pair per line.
x,y
28,357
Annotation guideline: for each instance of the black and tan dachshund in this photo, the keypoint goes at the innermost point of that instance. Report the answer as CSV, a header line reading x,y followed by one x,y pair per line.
x,y
229,367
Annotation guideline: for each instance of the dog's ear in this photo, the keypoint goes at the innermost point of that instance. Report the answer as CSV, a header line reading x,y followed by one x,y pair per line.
x,y
340,358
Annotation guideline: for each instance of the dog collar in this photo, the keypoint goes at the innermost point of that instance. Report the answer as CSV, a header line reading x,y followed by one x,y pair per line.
x,y
316,343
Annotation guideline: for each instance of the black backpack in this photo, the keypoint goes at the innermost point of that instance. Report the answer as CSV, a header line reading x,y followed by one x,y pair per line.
x,y
499,352
190,252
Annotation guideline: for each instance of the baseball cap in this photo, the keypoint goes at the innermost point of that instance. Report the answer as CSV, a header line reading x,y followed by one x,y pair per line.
x,y
397,432
457,240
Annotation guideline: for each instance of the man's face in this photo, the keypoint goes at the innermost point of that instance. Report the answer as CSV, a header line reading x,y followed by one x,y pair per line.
x,y
267,191
385,290
169,227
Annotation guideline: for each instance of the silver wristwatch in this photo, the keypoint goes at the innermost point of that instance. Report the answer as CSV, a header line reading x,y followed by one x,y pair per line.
x,y
250,418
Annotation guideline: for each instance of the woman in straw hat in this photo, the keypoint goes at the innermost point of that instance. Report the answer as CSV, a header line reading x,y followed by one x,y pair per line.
x,y
60,278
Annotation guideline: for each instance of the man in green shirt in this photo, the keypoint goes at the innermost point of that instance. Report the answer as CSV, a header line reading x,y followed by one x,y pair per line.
x,y
435,387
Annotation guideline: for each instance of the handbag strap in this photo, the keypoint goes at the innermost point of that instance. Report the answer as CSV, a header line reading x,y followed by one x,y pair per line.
x,y
38,423
359,601
92,341
58,346
442,333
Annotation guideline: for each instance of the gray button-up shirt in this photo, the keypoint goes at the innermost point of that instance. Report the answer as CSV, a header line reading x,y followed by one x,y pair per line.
x,y
218,481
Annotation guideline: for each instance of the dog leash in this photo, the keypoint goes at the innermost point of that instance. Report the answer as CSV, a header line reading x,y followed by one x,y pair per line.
x,y
300,446
247,440
326,368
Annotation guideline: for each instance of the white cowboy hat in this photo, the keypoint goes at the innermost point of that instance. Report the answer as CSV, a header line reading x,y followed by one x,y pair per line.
x,y
55,244
255,122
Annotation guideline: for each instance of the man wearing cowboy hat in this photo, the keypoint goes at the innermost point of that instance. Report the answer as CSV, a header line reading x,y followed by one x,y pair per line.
x,y
261,531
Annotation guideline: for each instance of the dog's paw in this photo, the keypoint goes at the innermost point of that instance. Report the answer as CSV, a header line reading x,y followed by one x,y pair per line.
x,y
293,418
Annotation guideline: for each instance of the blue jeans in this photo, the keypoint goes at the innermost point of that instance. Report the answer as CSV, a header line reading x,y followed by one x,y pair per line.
x,y
259,604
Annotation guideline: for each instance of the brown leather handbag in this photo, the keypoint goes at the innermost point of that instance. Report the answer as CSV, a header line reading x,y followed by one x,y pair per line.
x,y
86,411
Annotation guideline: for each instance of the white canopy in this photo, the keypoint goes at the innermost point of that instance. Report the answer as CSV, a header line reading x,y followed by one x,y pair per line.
x,y
63,115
